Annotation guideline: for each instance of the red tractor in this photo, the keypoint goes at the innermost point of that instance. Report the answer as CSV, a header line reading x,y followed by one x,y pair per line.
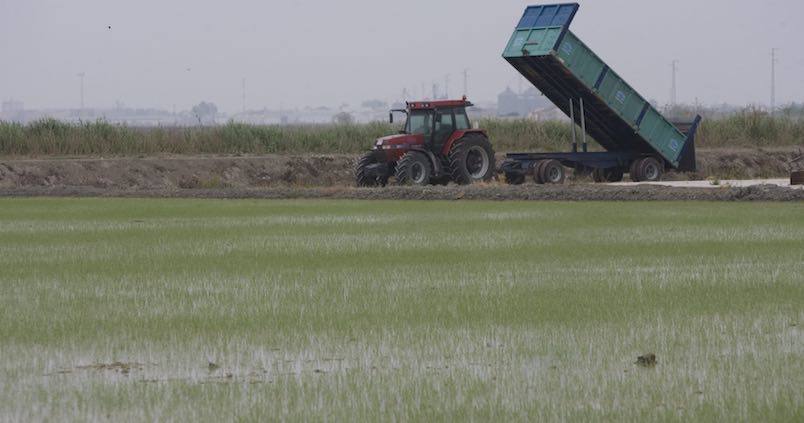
x,y
437,145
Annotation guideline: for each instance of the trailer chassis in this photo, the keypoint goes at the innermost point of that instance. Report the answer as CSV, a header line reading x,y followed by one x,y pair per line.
x,y
607,166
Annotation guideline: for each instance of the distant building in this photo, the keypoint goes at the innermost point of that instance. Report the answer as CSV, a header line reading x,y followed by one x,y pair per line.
x,y
13,111
511,104
548,113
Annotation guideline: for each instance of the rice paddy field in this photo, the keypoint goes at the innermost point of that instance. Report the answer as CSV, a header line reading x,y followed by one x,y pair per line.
x,y
208,310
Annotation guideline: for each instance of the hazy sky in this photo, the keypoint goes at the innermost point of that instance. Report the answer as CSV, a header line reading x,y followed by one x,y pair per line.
x,y
305,52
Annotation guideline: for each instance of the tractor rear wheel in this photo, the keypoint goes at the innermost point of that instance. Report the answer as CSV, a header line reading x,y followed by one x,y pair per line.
x,y
471,159
362,176
413,168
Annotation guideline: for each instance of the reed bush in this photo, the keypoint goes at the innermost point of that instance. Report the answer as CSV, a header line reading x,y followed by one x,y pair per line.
x,y
50,137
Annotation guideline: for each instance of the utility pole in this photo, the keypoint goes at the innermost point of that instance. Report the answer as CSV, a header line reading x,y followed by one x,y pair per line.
x,y
81,76
674,88
446,86
773,80
466,82
244,95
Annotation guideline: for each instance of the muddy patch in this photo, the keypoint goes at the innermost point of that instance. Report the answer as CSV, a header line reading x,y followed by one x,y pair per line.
x,y
647,360
123,368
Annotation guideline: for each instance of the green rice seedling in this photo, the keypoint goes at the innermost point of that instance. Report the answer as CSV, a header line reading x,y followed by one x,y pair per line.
x,y
114,309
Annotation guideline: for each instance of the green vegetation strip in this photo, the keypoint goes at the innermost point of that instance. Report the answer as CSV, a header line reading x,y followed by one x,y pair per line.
x,y
211,310
51,137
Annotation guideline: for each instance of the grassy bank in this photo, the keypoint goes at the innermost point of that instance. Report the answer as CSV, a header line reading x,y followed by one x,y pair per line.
x,y
189,310
50,137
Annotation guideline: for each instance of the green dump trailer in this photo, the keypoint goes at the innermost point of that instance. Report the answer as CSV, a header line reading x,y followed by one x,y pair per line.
x,y
638,140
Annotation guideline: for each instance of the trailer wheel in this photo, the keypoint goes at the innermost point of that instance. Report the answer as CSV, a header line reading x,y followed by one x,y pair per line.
x,y
471,159
612,174
633,170
362,178
552,172
537,171
650,170
413,169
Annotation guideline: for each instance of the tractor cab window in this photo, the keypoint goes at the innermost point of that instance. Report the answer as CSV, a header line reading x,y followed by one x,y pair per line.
x,y
420,122
461,120
444,126
444,121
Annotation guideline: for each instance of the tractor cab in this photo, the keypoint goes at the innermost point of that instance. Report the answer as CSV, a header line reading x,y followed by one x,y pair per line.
x,y
435,145
434,121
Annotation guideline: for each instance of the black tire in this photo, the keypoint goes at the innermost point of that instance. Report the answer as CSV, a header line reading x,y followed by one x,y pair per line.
x,y
612,174
537,171
514,178
362,178
650,170
633,170
471,159
552,172
414,168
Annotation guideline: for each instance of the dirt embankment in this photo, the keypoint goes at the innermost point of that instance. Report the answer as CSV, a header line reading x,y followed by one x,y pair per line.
x,y
747,163
330,176
151,173
182,172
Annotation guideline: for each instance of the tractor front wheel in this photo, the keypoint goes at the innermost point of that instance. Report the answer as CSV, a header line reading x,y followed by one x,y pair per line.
x,y
413,169
363,177
471,159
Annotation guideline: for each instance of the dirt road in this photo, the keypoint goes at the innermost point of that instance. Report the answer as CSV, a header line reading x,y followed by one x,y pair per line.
x,y
715,183
494,192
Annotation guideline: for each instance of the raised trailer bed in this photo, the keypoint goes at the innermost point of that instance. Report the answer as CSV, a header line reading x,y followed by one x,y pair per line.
x,y
638,140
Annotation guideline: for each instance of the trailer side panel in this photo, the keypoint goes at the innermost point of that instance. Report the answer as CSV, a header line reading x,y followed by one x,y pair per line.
x,y
564,68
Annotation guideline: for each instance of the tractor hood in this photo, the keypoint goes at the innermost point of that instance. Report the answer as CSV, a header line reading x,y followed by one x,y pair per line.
x,y
398,141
